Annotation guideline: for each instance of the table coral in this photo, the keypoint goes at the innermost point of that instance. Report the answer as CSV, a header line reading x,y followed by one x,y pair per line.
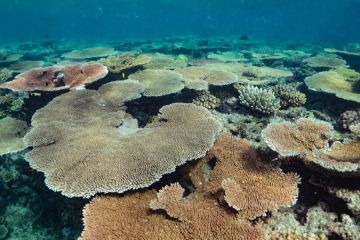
x,y
57,77
121,156
120,63
87,53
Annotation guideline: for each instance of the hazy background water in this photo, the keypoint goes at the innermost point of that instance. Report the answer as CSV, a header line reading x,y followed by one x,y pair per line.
x,y
329,21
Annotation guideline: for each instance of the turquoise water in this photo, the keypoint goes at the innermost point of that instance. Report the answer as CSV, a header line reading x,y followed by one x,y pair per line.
x,y
81,87
320,21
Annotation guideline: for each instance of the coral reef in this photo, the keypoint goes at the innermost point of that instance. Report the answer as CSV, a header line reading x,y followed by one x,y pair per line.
x,y
205,99
198,78
11,134
57,78
120,63
145,153
348,118
325,61
162,61
227,57
258,99
309,140
88,53
159,82
333,82
289,96
23,66
5,74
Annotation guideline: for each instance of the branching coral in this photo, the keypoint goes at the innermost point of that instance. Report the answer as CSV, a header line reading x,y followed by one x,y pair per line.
x,y
258,99
289,96
57,77
205,99
121,156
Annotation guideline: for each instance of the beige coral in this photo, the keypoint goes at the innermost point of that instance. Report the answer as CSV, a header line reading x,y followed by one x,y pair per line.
x,y
86,144
120,63
11,133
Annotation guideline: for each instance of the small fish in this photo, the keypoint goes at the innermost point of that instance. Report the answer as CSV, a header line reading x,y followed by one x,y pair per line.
x,y
123,75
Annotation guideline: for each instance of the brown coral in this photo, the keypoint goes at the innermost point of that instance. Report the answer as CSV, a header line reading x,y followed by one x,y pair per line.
x,y
309,140
197,217
255,187
57,77
205,99
86,144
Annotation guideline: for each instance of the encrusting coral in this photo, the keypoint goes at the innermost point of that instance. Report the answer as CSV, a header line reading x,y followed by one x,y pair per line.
x,y
309,140
258,99
121,156
119,63
203,214
159,82
57,77
11,133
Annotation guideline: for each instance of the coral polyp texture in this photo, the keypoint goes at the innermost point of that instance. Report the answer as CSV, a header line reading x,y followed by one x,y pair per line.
x,y
308,139
11,133
252,187
120,63
88,53
57,77
258,99
159,82
85,143
335,83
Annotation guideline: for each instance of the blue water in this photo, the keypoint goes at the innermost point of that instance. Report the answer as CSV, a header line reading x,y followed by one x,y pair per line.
x,y
325,21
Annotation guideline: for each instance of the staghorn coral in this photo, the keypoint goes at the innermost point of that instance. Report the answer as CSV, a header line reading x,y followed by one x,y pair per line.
x,y
205,99
11,132
121,156
120,63
325,61
257,99
309,140
333,82
200,217
5,74
289,96
251,186
57,77
87,53
159,82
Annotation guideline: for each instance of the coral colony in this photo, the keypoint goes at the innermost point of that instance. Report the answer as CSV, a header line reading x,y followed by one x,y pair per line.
x,y
184,138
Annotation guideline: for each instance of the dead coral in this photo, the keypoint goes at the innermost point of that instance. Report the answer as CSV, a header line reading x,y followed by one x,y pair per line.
x,y
57,78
